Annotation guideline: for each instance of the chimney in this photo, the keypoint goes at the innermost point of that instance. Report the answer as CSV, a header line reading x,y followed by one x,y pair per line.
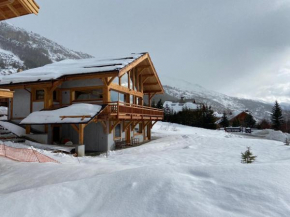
x,y
182,99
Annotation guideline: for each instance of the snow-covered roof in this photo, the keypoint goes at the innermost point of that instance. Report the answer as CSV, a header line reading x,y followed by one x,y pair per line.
x,y
70,67
178,107
83,114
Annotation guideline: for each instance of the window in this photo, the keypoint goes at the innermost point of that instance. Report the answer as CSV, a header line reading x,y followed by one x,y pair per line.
x,y
117,131
96,94
55,96
124,80
39,95
138,129
131,99
116,96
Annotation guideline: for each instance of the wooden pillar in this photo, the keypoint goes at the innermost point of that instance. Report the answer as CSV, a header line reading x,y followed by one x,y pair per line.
x,y
81,133
28,129
11,109
149,100
149,130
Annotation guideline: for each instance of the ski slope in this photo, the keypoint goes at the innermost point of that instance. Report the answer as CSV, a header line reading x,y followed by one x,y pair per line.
x,y
184,172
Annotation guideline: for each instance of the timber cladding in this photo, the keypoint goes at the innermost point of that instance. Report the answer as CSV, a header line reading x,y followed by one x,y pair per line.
x,y
15,8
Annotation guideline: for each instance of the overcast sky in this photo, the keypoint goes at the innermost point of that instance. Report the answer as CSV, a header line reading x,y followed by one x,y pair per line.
x,y
237,47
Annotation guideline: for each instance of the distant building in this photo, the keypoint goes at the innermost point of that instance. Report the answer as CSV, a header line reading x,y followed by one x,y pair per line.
x,y
235,116
176,107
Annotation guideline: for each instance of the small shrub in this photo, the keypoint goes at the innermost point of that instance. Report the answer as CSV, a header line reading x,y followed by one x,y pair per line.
x,y
248,157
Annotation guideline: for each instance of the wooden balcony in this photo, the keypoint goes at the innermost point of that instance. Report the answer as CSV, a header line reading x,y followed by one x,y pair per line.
x,y
123,111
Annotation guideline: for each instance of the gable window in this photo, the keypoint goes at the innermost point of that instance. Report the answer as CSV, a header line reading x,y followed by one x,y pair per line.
x,y
82,95
118,131
39,95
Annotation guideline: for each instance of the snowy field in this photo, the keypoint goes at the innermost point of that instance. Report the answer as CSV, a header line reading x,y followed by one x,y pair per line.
x,y
184,172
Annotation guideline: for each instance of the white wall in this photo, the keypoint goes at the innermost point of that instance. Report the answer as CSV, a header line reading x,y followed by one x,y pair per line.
x,y
21,103
82,83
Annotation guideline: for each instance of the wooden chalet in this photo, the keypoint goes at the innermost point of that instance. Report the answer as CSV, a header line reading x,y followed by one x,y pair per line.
x,y
111,95
16,8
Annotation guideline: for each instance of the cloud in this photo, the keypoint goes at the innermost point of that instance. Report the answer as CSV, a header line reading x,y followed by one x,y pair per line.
x,y
235,47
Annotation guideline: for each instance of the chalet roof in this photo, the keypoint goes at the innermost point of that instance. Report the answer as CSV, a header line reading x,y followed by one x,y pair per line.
x,y
64,68
15,8
76,113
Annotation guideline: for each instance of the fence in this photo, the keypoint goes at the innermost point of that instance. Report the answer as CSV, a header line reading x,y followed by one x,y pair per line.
x,y
24,155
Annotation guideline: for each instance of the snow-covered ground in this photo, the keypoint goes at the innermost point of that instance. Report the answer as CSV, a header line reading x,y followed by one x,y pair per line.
x,y
185,171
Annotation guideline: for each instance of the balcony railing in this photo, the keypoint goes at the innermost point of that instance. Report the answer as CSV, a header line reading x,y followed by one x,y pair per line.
x,y
131,111
122,110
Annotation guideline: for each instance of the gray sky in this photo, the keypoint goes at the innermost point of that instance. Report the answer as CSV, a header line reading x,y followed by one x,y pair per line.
x,y
237,47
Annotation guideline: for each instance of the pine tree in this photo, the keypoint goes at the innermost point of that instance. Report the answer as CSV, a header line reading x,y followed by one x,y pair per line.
x,y
250,121
277,117
248,157
159,104
224,121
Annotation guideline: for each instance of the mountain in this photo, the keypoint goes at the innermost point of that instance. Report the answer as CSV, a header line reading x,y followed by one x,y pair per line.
x,y
20,49
178,88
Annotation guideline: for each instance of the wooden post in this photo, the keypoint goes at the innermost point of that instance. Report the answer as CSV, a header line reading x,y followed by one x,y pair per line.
x,y
81,133
149,130
28,129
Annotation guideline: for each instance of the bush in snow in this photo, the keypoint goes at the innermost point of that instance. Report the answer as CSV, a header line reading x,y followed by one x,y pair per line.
x,y
248,157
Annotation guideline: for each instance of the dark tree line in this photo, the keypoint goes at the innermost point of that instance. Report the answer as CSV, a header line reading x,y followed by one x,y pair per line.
x,y
202,117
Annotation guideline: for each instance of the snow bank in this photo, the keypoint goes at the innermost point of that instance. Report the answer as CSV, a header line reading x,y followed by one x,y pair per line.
x,y
185,171
3,110
19,131
272,135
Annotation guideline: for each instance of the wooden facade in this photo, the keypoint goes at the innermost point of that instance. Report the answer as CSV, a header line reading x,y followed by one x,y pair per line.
x,y
131,84
15,8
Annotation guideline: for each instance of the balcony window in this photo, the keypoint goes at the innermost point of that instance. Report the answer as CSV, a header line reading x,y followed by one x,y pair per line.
x,y
124,81
116,96
83,95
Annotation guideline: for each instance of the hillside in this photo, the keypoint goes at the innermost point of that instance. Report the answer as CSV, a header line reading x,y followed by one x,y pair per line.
x,y
20,49
220,102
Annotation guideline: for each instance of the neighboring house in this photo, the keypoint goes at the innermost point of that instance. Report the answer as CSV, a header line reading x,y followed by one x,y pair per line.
x,y
15,8
90,101
234,116
176,107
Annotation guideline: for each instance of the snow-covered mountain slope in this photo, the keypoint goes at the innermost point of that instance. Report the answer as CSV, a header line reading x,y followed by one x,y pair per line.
x,y
20,49
220,102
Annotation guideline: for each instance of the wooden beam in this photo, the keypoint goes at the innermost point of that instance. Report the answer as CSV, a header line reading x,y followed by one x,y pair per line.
x,y
144,125
76,116
104,126
111,80
149,84
153,124
133,64
28,129
126,126
10,6
135,124
75,127
115,123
